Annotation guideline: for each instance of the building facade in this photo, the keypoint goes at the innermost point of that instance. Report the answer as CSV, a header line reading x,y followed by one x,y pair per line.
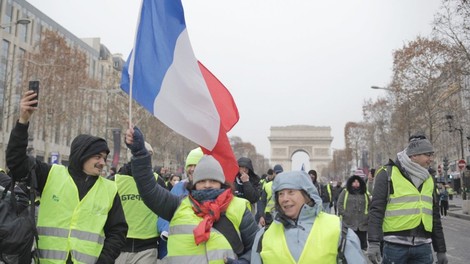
x,y
21,29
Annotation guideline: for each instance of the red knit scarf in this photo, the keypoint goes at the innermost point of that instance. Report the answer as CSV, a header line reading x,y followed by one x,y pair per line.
x,y
210,212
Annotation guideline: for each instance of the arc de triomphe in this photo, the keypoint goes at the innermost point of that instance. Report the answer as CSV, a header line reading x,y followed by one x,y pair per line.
x,y
315,141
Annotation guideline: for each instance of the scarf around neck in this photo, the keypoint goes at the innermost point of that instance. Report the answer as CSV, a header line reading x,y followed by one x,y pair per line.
x,y
417,173
209,210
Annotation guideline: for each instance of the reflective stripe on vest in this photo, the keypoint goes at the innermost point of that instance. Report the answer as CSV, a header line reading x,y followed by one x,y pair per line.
x,y
66,224
269,197
140,219
262,182
321,245
181,245
328,188
365,198
407,207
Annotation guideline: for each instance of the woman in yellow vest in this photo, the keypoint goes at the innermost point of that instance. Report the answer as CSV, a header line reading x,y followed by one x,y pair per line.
x,y
404,210
301,232
210,225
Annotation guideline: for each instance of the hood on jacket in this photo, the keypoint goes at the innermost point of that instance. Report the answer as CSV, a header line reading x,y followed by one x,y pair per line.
x,y
313,176
245,162
297,180
82,148
362,184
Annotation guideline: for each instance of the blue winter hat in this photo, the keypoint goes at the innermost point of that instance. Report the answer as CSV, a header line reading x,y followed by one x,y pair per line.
x,y
278,169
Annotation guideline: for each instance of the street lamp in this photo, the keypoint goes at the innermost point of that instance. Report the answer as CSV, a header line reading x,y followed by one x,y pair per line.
x,y
20,21
397,95
446,168
381,88
450,118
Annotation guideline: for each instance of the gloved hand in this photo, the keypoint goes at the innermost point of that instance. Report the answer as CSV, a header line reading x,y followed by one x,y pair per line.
x,y
373,252
138,145
164,235
442,258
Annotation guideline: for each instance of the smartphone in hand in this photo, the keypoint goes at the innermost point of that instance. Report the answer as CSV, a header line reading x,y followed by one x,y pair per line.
x,y
34,86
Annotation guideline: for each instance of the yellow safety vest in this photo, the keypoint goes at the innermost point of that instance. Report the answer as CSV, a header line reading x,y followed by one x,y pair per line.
x,y
321,245
140,219
263,182
328,188
69,225
181,245
269,197
407,207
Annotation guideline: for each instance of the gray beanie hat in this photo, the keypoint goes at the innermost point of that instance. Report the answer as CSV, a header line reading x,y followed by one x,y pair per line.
x,y
419,145
208,168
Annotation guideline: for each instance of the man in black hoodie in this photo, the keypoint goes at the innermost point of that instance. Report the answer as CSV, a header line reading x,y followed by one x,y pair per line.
x,y
81,217
247,183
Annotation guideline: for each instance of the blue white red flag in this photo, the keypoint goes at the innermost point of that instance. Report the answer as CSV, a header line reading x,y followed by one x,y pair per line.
x,y
164,76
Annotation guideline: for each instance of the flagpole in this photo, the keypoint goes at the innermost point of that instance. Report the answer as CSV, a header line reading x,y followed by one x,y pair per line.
x,y
131,66
130,102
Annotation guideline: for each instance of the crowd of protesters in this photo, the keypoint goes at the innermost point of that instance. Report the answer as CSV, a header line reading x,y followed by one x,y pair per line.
x,y
142,215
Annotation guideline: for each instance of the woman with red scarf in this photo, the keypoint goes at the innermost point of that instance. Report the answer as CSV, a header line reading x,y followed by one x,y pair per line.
x,y
209,225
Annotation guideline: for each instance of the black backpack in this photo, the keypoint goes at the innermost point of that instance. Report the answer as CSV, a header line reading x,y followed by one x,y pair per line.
x,y
17,224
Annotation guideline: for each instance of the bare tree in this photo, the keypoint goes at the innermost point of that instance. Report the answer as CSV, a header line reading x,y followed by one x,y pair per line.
x,y
381,141
451,26
61,70
423,80
356,142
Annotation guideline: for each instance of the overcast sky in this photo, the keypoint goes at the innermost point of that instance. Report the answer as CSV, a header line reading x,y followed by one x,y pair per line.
x,y
286,62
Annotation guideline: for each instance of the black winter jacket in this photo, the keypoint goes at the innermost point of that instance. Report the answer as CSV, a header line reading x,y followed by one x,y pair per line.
x,y
250,190
377,212
115,228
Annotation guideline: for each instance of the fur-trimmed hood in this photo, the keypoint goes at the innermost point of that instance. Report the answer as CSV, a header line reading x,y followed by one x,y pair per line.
x,y
362,184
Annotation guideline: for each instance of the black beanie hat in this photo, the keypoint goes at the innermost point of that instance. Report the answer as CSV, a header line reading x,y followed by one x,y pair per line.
x,y
83,147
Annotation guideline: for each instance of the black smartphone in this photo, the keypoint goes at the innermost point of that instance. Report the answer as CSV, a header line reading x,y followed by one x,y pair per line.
x,y
34,86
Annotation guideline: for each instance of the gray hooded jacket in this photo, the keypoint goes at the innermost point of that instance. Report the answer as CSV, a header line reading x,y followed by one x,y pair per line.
x,y
297,231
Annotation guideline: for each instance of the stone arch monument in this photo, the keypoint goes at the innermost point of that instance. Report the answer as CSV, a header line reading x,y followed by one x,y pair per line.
x,y
315,141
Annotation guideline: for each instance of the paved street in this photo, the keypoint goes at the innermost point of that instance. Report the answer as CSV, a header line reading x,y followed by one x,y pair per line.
x,y
457,233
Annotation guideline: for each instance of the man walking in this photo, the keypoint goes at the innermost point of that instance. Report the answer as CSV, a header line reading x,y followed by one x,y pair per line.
x,y
404,211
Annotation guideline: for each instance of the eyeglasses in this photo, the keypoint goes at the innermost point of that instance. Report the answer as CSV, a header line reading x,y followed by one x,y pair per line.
x,y
430,154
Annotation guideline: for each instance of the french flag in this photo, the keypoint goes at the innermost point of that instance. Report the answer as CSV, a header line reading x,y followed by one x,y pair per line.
x,y
164,76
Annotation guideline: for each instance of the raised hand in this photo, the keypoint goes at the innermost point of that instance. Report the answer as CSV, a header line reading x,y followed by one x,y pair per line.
x,y
26,108
135,142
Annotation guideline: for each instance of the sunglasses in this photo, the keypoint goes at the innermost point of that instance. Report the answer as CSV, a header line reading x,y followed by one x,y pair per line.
x,y
430,154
